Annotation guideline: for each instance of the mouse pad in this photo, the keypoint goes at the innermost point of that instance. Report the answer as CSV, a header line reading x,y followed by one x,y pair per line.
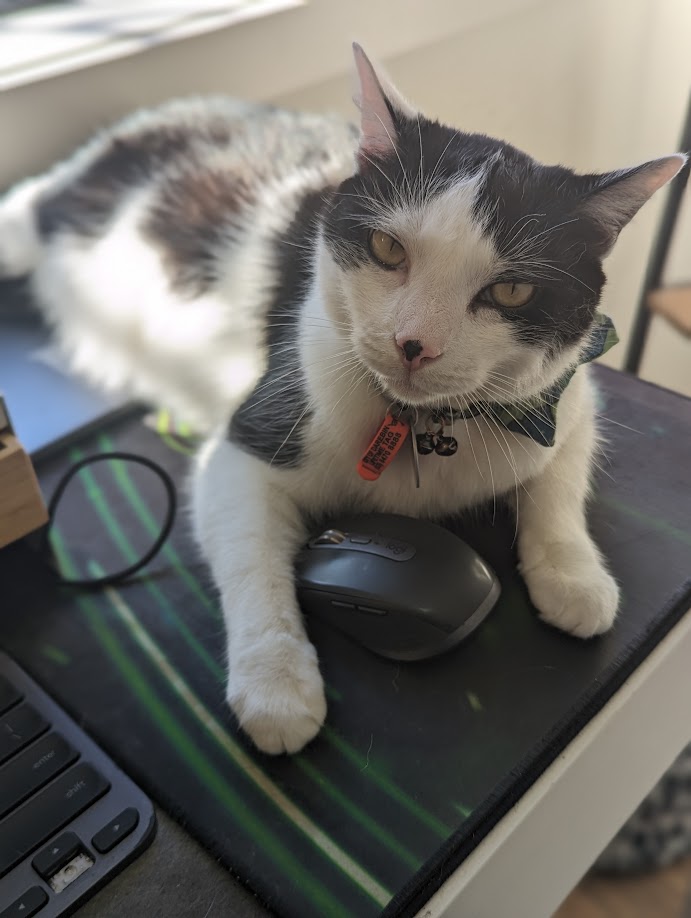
x,y
417,760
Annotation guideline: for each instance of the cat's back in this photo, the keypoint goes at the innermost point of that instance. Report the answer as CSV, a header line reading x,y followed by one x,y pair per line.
x,y
196,176
264,143
160,246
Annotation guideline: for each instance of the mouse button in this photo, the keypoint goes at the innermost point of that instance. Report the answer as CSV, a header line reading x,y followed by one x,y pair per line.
x,y
391,548
329,537
359,539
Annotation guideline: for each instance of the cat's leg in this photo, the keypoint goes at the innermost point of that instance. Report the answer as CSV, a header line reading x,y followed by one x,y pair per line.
x,y
561,565
250,529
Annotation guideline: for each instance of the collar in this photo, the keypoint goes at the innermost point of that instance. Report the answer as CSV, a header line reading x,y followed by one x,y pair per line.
x,y
536,417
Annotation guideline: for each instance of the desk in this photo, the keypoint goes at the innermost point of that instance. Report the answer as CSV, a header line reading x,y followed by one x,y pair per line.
x,y
512,872
502,768
503,876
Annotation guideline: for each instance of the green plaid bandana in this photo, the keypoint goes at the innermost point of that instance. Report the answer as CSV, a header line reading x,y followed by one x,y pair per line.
x,y
536,418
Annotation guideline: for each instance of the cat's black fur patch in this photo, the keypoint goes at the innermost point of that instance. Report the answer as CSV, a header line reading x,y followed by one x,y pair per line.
x,y
190,217
86,204
269,423
425,151
518,199
533,214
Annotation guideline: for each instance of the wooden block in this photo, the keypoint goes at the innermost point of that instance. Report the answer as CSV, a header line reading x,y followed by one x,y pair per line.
x,y
674,303
21,503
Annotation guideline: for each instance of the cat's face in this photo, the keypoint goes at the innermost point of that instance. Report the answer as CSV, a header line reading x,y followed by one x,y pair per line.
x,y
465,268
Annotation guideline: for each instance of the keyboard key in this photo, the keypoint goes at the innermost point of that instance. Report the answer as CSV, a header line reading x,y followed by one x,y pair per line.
x,y
47,812
27,905
56,854
18,728
8,695
31,769
117,829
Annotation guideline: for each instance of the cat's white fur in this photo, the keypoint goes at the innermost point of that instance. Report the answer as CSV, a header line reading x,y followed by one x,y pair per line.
x,y
118,320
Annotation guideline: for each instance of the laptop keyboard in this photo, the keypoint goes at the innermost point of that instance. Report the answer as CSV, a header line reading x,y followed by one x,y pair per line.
x,y
69,818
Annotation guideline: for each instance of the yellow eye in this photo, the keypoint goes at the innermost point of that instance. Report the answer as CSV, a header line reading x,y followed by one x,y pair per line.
x,y
386,249
511,295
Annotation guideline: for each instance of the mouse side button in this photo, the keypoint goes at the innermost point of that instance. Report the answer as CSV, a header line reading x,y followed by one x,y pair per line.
x,y
371,610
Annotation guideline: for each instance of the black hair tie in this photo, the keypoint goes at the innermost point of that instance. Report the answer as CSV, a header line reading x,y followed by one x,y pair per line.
x,y
119,576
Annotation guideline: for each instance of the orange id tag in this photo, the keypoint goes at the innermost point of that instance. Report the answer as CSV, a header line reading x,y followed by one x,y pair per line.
x,y
386,443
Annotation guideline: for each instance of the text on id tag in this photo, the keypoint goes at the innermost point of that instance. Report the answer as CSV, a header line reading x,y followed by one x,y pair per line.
x,y
387,441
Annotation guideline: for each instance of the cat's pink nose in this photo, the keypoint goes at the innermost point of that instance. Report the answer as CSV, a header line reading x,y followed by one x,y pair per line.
x,y
414,352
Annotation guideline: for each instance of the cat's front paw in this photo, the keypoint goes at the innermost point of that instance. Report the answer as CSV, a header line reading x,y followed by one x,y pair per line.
x,y
277,694
572,590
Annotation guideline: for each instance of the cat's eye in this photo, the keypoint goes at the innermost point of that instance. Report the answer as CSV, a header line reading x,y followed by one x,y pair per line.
x,y
511,295
388,251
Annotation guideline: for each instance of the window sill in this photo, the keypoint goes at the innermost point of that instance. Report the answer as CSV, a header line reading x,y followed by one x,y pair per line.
x,y
259,57
45,42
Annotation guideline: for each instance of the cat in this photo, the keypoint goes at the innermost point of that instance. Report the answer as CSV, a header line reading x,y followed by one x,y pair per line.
x,y
286,282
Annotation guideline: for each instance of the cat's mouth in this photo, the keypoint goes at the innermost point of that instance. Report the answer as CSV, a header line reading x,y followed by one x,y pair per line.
x,y
409,389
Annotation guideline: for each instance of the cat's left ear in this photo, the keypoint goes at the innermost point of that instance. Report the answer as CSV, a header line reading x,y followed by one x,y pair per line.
x,y
381,108
614,198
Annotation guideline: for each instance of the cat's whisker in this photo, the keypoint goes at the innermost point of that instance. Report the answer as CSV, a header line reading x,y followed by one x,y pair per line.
x,y
527,407
433,175
512,392
350,389
470,441
324,326
324,319
388,178
520,224
290,433
535,243
494,427
295,384
326,358
489,461
552,267
511,395
618,424
601,467
518,439
297,245
398,156
279,347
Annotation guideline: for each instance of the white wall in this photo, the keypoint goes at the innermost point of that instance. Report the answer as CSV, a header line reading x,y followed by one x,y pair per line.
x,y
597,85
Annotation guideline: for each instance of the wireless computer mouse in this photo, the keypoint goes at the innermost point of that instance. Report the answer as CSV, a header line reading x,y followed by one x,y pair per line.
x,y
404,588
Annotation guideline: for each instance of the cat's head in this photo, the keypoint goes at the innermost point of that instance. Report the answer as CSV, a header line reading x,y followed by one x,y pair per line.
x,y
462,266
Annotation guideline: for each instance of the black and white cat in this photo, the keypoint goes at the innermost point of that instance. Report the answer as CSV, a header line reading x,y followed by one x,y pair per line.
x,y
285,281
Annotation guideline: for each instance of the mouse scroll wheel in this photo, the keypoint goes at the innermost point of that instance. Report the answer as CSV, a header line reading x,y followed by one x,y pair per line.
x,y
330,537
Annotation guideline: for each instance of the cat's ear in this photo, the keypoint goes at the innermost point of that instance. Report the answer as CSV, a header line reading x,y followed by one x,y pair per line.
x,y
614,198
380,108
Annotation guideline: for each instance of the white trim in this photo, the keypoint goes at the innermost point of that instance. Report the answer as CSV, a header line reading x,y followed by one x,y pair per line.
x,y
534,857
